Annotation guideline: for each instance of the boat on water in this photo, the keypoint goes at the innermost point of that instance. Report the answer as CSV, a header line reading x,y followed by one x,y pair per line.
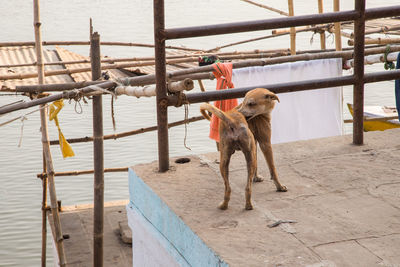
x,y
378,118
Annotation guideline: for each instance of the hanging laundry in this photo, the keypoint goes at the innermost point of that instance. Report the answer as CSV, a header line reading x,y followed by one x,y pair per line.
x,y
305,114
223,73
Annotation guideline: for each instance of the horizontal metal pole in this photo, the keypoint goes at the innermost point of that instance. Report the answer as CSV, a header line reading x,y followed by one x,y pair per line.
x,y
258,25
285,87
382,12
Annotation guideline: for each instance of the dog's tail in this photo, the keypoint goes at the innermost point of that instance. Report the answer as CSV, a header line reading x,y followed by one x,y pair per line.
x,y
217,112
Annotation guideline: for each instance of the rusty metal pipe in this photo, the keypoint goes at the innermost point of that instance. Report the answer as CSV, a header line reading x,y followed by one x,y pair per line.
x,y
161,86
258,25
286,87
358,88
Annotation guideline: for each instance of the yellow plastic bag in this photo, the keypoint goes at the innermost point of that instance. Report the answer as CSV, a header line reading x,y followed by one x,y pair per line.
x,y
65,147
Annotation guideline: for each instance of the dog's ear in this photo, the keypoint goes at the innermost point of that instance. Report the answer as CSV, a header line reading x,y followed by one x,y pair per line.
x,y
272,96
275,97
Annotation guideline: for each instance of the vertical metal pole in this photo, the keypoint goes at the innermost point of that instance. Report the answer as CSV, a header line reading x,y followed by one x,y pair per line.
x,y
98,156
161,86
45,140
322,34
358,88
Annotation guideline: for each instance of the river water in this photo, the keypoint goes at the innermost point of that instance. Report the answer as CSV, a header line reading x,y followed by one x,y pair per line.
x,y
125,21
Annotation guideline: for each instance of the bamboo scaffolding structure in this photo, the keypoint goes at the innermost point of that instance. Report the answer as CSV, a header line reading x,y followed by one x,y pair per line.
x,y
126,65
147,60
48,43
338,37
51,98
267,7
98,156
322,33
82,172
129,133
292,29
45,142
261,62
144,80
276,33
379,41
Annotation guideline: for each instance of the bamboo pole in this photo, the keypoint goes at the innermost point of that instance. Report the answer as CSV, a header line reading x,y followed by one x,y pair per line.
x,y
45,140
292,29
369,60
267,7
338,36
48,43
98,156
150,90
51,98
129,133
379,41
322,33
170,59
44,214
76,173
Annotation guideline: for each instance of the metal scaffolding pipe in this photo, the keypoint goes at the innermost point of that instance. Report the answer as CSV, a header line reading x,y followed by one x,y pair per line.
x,y
358,88
259,25
285,87
161,86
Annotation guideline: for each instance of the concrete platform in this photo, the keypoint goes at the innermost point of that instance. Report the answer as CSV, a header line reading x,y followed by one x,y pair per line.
x,y
345,200
77,227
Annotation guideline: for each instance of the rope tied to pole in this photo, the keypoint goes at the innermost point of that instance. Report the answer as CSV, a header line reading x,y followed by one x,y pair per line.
x,y
23,118
186,105
388,65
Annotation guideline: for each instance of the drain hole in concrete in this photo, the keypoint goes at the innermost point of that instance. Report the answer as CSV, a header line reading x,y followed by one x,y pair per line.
x,y
182,160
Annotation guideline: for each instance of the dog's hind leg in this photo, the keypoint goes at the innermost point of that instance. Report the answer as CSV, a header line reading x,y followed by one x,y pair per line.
x,y
224,159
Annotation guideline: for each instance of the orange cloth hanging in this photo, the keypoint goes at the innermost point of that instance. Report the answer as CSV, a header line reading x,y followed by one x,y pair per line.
x,y
223,73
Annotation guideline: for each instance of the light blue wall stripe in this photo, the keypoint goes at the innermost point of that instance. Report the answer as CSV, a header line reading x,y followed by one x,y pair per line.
x,y
185,241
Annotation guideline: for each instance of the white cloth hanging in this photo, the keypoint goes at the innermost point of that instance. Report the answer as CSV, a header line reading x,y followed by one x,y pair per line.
x,y
305,114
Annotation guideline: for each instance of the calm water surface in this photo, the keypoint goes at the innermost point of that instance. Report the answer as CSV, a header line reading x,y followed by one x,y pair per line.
x,y
127,21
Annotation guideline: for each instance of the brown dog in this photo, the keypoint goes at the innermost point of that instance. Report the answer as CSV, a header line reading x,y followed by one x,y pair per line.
x,y
239,129
256,107
234,134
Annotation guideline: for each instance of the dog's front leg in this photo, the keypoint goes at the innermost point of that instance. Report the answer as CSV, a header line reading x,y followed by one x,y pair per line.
x,y
266,148
225,157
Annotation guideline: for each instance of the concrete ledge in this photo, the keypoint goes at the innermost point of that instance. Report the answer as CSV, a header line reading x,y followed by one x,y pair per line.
x,y
343,197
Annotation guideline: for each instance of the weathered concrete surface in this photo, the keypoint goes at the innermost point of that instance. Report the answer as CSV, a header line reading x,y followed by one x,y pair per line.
x,y
77,223
344,198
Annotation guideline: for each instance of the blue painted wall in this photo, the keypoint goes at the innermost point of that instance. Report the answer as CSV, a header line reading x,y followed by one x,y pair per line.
x,y
181,238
